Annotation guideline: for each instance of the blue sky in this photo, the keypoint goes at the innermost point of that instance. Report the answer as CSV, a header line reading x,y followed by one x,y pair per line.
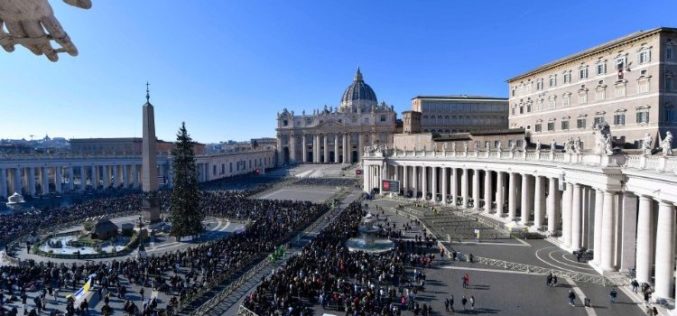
x,y
227,67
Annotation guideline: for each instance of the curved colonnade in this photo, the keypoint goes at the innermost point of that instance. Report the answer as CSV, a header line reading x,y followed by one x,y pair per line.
x,y
621,206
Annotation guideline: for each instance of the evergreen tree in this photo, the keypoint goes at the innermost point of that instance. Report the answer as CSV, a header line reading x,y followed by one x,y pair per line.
x,y
185,215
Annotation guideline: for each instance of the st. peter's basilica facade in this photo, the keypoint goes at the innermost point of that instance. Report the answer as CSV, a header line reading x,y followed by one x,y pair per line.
x,y
336,135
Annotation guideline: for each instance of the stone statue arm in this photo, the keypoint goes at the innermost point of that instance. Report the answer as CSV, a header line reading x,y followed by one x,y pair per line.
x,y
31,23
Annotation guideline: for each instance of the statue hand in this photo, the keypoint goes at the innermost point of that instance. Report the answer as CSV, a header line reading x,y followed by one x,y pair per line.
x,y
31,23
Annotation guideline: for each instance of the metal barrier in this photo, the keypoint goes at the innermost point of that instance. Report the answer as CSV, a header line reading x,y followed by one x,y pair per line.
x,y
243,311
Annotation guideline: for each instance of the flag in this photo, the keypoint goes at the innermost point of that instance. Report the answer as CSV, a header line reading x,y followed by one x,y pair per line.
x,y
82,292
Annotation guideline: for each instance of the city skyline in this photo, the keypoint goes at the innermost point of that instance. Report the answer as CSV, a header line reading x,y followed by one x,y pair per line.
x,y
291,56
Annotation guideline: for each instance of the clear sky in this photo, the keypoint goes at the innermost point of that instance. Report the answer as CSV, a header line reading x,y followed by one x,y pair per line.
x,y
227,67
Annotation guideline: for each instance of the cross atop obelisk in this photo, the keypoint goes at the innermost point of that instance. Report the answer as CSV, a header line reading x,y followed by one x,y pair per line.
x,y
149,180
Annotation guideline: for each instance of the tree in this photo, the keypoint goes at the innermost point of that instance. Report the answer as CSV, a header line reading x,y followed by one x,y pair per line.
x,y
185,215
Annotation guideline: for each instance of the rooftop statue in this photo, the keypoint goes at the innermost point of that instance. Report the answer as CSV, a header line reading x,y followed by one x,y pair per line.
x,y
666,144
602,133
538,145
31,23
647,144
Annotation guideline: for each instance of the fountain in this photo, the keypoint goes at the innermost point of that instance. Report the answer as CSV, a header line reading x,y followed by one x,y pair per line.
x,y
368,240
15,201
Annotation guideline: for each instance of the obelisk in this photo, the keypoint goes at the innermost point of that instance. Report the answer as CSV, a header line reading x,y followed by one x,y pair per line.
x,y
150,207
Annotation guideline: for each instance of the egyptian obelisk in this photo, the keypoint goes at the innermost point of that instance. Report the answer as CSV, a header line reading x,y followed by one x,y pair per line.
x,y
150,206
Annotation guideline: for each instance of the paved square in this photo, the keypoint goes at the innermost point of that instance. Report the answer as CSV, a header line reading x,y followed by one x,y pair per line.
x,y
317,194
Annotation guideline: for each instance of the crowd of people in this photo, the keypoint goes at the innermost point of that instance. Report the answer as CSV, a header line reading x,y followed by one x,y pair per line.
x,y
358,283
181,274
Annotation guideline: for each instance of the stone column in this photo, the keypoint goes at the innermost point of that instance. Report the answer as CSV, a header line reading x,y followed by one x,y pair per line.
x,y
71,178
476,189
487,191
433,179
539,202
512,204
527,199
405,179
304,150
83,178
345,148
454,186
106,176
552,206
58,179
382,175
336,148
608,241
44,178
360,146
365,181
424,182
576,218
500,193
566,214
599,216
464,188
629,223
325,140
644,242
125,175
349,149
445,188
18,181
316,149
116,175
414,170
665,250
3,183
292,148
31,180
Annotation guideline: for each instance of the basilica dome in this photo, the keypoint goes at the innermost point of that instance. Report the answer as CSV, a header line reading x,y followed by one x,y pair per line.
x,y
358,96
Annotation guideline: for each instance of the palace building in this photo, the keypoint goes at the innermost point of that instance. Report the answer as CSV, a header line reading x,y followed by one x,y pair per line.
x,y
336,135
627,82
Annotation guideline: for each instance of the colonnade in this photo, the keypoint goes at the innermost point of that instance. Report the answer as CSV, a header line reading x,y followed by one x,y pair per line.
x,y
321,147
43,180
627,227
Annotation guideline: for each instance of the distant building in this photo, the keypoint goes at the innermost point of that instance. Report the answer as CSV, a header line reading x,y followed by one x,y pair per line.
x,y
628,83
122,146
336,135
458,113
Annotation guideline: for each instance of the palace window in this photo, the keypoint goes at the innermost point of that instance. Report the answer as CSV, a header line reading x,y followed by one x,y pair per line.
x,y
643,85
668,52
583,97
619,118
285,123
383,118
642,115
670,114
619,91
668,82
551,126
565,125
566,99
566,76
521,109
644,55
538,128
553,80
600,93
601,68
583,72
598,119
580,123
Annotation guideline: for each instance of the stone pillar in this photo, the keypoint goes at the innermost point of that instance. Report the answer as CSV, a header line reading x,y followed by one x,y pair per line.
x,y
487,191
344,148
116,177
125,175
349,149
576,218
464,188
44,178
107,176
360,147
414,170
405,179
31,181
3,183
336,149
71,178
500,193
512,204
599,217
382,175
325,141
316,148
83,178
58,179
476,189
433,179
454,186
424,182
644,242
608,241
527,199
445,187
539,202
628,225
552,206
292,148
665,250
18,181
365,178
304,150
566,214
